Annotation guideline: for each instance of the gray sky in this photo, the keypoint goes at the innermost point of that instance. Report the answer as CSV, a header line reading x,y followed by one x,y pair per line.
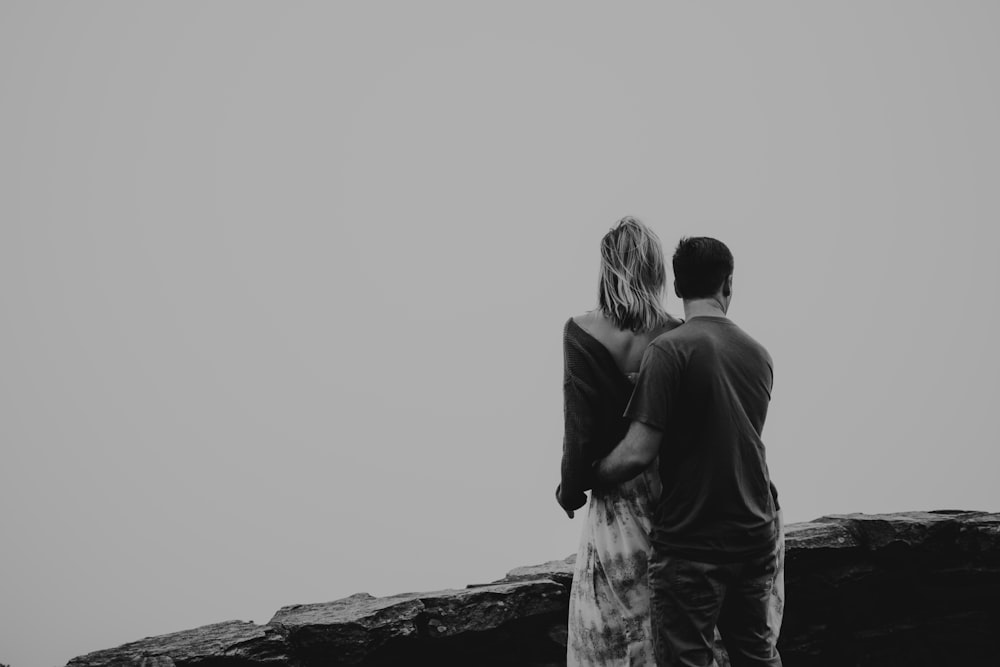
x,y
283,285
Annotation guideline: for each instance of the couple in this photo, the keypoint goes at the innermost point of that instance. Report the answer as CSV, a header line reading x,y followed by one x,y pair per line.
x,y
663,423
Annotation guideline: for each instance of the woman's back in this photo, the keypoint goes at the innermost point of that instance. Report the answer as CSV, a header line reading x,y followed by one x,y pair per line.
x,y
609,622
600,362
626,347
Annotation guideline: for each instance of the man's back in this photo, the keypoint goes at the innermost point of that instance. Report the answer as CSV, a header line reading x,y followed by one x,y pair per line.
x,y
699,404
706,385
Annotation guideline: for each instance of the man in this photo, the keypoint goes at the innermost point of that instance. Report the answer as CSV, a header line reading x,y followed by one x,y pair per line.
x,y
699,404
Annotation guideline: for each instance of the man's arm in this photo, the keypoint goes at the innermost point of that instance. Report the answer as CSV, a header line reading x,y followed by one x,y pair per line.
x,y
631,456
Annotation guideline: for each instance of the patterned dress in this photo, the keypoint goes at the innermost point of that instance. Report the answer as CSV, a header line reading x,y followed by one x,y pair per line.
x,y
609,601
609,623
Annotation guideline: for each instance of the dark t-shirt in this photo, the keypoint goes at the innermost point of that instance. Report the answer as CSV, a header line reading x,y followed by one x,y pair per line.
x,y
706,385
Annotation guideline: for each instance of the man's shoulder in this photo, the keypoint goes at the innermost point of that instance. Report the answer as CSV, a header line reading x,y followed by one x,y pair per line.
x,y
701,333
672,347
750,341
678,334
747,349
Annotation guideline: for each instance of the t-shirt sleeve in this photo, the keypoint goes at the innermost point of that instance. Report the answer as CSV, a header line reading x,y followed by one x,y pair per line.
x,y
655,395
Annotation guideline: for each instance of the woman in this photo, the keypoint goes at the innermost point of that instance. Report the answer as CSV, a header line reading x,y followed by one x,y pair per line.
x,y
609,600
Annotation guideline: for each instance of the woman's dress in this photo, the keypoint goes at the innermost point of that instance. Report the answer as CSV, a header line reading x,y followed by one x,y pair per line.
x,y
609,622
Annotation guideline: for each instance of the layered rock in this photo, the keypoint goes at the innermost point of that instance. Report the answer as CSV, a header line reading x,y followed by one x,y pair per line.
x,y
917,588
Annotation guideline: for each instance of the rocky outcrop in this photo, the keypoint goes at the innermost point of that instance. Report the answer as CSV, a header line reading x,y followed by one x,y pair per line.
x,y
917,588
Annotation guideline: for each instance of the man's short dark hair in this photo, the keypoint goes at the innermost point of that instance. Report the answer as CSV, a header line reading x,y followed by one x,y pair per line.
x,y
701,266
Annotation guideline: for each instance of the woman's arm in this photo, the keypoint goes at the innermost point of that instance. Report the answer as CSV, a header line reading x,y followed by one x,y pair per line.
x,y
576,471
579,427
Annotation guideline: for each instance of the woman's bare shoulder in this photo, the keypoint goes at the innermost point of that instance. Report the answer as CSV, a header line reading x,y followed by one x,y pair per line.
x,y
589,318
595,324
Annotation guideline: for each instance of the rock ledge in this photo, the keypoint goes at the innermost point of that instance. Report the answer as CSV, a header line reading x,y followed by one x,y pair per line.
x,y
913,588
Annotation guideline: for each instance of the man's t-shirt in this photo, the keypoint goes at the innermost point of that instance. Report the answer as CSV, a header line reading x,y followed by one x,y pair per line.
x,y
706,385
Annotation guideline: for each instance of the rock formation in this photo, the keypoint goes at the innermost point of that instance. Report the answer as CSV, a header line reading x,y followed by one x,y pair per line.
x,y
916,588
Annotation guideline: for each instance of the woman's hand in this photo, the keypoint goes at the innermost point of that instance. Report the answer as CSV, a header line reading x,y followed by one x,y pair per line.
x,y
569,512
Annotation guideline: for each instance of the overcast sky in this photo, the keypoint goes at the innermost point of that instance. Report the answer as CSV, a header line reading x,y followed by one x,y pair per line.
x,y
282,285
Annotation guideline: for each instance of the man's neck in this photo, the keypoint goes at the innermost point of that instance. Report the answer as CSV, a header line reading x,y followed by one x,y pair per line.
x,y
711,307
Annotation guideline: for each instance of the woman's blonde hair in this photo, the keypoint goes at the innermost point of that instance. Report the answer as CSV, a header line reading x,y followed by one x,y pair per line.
x,y
630,293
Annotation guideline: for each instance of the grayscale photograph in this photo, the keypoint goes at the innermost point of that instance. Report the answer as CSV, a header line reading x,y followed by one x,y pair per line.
x,y
499,334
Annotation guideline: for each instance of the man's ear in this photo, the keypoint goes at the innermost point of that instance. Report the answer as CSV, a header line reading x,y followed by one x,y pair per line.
x,y
727,286
677,291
